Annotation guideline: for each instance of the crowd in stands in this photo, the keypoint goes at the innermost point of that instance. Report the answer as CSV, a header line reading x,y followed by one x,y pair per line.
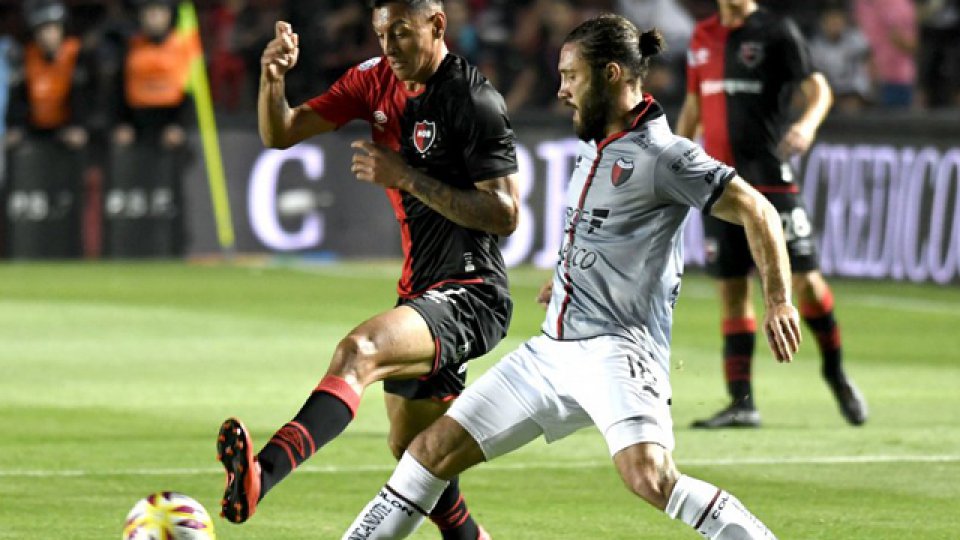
x,y
875,53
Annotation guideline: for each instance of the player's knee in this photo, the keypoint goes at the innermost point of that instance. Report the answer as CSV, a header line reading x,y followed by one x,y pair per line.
x,y
355,356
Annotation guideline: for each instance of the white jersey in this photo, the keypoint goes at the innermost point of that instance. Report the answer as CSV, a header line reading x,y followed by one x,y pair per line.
x,y
621,261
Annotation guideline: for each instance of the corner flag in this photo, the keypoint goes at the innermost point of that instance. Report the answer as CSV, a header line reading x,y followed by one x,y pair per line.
x,y
199,86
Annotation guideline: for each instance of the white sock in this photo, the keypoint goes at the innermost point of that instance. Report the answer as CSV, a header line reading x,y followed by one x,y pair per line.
x,y
402,504
714,513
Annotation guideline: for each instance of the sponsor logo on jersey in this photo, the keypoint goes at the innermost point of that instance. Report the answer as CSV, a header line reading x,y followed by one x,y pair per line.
x,y
621,172
424,133
751,53
591,219
681,163
731,86
698,57
369,64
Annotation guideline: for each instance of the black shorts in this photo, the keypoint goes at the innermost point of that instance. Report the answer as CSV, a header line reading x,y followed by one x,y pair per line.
x,y
466,321
728,254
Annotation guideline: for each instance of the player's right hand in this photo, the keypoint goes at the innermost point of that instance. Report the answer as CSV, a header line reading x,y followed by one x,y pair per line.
x,y
782,327
281,52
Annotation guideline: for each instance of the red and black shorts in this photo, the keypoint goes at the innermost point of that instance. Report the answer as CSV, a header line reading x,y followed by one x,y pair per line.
x,y
728,254
466,322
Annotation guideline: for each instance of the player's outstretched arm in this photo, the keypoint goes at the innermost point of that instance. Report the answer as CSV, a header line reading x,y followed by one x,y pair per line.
x,y
743,205
493,207
280,125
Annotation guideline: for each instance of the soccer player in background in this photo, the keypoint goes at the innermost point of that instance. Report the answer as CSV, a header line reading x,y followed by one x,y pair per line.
x,y
444,150
743,68
604,356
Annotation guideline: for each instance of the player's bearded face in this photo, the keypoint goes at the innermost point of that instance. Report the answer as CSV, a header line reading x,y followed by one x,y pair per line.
x,y
593,108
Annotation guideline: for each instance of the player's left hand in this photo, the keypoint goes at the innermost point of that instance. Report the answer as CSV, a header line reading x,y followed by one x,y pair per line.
x,y
377,164
781,324
796,140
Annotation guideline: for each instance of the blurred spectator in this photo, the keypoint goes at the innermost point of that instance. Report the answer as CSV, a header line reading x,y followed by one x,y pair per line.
x,y
143,207
665,78
7,48
50,99
235,33
540,34
939,56
494,21
674,23
226,65
842,54
108,40
152,102
461,34
891,29
46,137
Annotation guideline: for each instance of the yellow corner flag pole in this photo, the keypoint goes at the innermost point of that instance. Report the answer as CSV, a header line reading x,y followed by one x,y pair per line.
x,y
199,86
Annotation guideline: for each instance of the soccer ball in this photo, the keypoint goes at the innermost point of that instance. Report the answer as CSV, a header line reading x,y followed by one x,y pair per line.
x,y
167,515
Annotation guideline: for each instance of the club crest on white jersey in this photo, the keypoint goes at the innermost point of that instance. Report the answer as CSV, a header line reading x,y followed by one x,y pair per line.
x,y
621,171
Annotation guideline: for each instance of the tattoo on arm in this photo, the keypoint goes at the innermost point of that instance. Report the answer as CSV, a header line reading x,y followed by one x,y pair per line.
x,y
492,207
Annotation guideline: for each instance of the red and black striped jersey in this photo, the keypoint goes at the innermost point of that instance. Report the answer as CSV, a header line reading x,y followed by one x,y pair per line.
x,y
745,78
455,130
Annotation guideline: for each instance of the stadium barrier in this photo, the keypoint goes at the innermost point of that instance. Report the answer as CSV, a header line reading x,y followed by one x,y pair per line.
x,y
43,200
882,193
143,202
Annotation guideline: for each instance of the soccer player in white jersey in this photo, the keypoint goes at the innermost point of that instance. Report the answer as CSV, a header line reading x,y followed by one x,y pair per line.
x,y
603,357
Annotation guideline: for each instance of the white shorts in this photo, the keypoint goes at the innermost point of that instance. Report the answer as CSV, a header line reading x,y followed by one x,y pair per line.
x,y
553,388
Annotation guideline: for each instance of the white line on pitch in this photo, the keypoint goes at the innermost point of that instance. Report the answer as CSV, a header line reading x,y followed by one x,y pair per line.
x,y
592,464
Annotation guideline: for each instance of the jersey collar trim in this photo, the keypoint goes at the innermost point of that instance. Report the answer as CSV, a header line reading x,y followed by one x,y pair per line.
x,y
647,110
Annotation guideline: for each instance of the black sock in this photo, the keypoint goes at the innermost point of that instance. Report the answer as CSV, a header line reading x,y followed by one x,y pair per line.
x,y
827,332
739,338
326,413
452,516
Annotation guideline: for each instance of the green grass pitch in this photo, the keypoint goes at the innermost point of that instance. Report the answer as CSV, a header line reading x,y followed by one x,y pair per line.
x,y
115,377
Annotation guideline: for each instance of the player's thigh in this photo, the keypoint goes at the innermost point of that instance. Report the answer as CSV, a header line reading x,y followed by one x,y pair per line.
x,y
624,390
465,321
727,252
409,417
512,404
396,343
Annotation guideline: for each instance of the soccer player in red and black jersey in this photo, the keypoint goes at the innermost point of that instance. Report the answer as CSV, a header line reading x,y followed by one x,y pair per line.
x,y
444,150
744,67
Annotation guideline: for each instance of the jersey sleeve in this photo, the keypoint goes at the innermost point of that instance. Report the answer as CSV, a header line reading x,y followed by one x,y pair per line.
x,y
490,150
347,99
797,64
685,174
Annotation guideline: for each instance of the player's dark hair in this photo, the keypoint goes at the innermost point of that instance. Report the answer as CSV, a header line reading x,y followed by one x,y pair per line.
x,y
414,5
612,38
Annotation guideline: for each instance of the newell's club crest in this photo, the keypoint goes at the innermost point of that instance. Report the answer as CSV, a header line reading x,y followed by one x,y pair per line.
x,y
622,170
424,133
751,53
